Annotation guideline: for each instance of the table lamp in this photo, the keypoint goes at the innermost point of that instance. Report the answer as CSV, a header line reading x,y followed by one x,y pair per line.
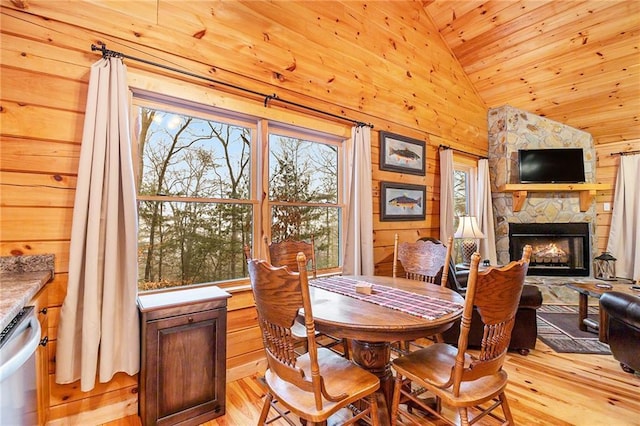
x,y
469,232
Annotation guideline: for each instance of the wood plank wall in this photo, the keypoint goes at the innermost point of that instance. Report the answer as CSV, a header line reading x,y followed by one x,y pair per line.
x,y
385,65
606,172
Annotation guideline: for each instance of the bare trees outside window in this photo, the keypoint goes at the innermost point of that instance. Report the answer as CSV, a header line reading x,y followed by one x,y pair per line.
x,y
199,182
304,193
460,192
461,197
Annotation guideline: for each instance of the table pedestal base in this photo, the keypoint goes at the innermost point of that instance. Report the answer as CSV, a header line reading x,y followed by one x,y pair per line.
x,y
376,358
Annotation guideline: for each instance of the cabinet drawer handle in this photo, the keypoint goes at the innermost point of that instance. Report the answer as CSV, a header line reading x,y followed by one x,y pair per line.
x,y
43,311
190,319
44,341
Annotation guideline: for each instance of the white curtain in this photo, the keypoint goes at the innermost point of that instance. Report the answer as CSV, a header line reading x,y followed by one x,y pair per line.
x,y
98,329
624,234
484,213
358,250
447,215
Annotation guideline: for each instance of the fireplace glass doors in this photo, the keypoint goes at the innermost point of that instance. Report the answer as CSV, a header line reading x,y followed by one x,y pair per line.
x,y
558,249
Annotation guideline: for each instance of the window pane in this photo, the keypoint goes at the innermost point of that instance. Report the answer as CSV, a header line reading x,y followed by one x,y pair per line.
x,y
192,157
299,223
302,171
183,243
460,195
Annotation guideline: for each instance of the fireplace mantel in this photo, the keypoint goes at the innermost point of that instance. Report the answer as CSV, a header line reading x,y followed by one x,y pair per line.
x,y
586,190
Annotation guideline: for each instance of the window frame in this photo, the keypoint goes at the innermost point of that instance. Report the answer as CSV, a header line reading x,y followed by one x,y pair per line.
x,y
470,168
259,167
340,204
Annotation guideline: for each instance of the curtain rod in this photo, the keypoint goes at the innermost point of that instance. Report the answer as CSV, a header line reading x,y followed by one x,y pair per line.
x,y
463,152
106,53
625,152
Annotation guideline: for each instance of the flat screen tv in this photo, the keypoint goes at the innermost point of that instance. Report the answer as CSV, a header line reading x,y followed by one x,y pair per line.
x,y
560,165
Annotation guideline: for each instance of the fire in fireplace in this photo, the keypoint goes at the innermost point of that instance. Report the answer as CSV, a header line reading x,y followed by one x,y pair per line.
x,y
560,249
550,254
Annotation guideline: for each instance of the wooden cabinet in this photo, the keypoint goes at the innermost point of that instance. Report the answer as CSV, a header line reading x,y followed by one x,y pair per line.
x,y
183,376
40,303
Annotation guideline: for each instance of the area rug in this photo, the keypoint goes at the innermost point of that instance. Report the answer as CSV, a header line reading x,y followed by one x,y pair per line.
x,y
558,328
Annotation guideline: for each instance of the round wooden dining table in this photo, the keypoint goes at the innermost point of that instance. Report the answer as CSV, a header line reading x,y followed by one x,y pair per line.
x,y
371,327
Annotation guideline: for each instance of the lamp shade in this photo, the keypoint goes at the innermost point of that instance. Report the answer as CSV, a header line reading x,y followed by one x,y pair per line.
x,y
468,228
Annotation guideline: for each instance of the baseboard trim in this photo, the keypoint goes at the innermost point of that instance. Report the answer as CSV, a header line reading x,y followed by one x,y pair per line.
x,y
244,370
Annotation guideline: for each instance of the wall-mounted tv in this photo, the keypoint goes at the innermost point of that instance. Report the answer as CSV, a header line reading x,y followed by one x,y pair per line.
x,y
560,165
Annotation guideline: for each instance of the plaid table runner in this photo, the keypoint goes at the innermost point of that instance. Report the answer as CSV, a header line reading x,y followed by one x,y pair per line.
x,y
419,305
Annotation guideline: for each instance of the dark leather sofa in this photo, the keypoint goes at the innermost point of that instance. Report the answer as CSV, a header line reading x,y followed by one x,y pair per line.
x,y
525,329
623,329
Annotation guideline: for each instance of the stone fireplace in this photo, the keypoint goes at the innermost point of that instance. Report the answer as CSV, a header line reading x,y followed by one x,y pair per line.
x,y
557,249
511,129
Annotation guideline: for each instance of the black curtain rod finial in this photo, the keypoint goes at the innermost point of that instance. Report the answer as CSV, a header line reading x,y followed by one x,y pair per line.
x,y
106,53
268,98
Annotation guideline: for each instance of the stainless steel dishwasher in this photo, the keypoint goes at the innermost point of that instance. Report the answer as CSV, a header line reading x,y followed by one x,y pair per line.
x,y
18,344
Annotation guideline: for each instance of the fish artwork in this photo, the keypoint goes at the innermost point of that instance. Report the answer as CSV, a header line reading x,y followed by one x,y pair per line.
x,y
404,154
406,202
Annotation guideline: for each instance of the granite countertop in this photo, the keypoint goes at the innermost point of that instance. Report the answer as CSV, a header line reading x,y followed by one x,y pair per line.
x,y
21,277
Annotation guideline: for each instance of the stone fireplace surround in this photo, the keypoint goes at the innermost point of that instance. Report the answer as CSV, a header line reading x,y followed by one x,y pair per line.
x,y
511,129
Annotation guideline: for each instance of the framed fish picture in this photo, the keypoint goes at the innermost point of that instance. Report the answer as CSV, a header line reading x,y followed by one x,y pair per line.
x,y
402,201
401,154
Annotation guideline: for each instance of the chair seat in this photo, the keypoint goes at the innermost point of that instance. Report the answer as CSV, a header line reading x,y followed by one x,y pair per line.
x,y
432,365
341,376
299,331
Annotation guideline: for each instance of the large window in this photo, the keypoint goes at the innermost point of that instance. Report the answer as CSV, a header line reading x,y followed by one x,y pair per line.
x,y
199,181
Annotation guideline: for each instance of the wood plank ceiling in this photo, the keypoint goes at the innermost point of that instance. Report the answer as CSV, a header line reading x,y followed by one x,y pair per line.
x,y
576,62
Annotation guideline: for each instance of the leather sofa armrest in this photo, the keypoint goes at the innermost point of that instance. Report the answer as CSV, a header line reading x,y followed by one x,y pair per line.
x,y
622,306
462,275
453,281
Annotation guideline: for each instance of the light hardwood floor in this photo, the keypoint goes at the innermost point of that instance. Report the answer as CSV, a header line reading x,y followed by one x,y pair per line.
x,y
545,388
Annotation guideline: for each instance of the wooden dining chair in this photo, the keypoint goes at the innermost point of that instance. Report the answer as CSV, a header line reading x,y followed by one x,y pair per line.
x,y
297,329
284,253
315,385
473,385
422,261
